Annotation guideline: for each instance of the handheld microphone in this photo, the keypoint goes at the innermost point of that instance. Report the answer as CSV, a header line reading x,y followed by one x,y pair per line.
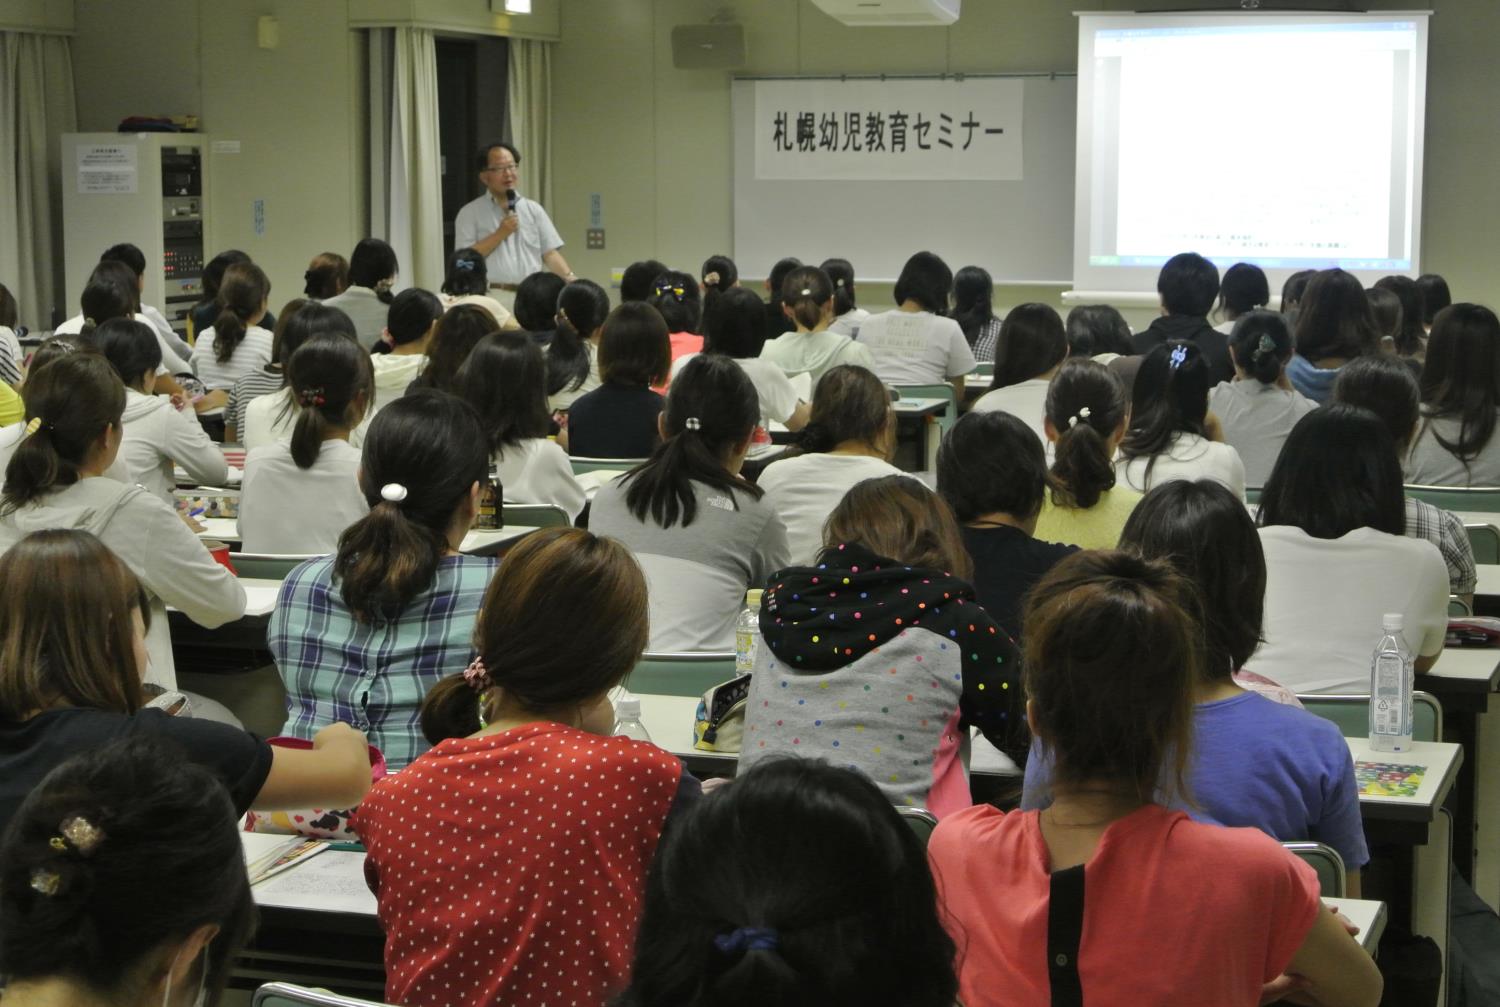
x,y
510,200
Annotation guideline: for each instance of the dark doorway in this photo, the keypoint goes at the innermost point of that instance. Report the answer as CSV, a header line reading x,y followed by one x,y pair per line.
x,y
471,110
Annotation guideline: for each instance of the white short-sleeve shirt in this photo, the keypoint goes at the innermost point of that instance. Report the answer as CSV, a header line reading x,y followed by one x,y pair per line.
x,y
519,255
916,348
289,510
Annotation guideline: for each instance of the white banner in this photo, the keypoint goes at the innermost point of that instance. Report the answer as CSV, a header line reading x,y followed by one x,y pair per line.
x,y
890,130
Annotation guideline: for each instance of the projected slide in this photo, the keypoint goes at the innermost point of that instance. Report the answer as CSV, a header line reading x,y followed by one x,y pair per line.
x,y
1289,141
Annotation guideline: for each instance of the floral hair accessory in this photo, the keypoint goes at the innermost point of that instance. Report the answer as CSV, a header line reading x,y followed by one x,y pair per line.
x,y
693,423
476,675
710,279
1179,354
1082,414
81,834
1265,347
45,882
663,289
310,397
393,492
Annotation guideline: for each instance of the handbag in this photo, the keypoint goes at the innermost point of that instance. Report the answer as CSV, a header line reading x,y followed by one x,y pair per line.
x,y
719,725
319,823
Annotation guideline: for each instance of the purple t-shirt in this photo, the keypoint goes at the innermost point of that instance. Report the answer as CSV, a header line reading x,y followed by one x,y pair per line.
x,y
1257,763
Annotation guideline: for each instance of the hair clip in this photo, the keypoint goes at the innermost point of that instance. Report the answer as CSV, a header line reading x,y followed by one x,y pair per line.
x,y
1265,346
692,423
384,286
45,882
311,397
839,283
476,675
34,425
81,834
675,291
805,292
393,492
465,265
1179,354
745,939
711,279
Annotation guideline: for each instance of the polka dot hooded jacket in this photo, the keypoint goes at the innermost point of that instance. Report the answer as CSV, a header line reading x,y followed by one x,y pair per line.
x,y
883,668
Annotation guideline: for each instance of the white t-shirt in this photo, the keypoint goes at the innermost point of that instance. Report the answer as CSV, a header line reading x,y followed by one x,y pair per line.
x,y
916,348
270,418
1431,464
804,490
250,354
1189,457
1026,401
1257,419
1325,599
849,322
815,353
519,255
288,510
537,471
365,309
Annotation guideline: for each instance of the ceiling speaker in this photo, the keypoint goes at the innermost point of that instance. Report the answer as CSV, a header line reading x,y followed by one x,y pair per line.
x,y
708,46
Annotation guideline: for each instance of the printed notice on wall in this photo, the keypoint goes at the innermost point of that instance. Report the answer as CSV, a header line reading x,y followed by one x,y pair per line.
x,y
893,130
106,168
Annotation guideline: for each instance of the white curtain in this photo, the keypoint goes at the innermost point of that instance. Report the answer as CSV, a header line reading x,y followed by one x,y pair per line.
x,y
529,85
37,107
406,196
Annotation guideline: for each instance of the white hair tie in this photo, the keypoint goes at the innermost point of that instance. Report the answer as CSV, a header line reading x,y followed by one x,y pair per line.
x,y
394,492
1083,414
806,291
711,280
693,423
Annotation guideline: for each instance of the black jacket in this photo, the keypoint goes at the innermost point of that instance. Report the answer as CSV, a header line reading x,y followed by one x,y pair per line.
x,y
1213,344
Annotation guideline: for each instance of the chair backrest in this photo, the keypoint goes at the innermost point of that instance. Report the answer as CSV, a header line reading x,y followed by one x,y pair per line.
x,y
266,565
1252,494
679,674
290,995
1484,498
514,515
581,465
1485,541
1352,714
921,820
1333,878
939,391
1458,608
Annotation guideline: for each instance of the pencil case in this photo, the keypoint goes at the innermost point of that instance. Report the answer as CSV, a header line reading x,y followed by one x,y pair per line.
x,y
320,823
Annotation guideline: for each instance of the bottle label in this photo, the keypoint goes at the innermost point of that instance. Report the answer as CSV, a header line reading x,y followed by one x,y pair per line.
x,y
1386,713
744,651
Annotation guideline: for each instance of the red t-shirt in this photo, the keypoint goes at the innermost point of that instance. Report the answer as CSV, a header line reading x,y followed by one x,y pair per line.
x,y
683,343
510,868
1175,912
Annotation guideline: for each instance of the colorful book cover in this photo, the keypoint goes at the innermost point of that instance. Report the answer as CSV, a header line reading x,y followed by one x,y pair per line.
x,y
1388,779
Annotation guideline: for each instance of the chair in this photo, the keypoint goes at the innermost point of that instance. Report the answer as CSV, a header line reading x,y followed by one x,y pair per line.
x,y
1481,498
1333,878
268,565
533,516
679,674
921,820
582,465
1352,714
1252,494
1485,540
1458,608
288,995
939,391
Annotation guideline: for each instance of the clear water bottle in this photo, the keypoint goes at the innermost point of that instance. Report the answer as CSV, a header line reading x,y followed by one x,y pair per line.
x,y
628,718
1391,679
747,633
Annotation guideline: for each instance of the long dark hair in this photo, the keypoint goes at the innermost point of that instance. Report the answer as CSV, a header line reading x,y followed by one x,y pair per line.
x,y
431,445
242,295
1338,471
1170,398
721,270
73,400
841,272
458,332
1086,404
1461,378
333,383
582,308
805,290
823,834
110,293
130,347
503,380
711,407
373,264
1032,341
973,290
1410,336
1334,318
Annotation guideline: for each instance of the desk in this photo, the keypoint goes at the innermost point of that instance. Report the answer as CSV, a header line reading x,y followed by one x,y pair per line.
x,y
479,541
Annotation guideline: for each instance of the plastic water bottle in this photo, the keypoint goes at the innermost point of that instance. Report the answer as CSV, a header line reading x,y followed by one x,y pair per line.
x,y
747,633
628,719
1391,679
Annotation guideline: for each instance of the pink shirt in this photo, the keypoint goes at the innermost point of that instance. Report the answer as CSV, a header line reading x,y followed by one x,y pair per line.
x,y
683,343
1175,912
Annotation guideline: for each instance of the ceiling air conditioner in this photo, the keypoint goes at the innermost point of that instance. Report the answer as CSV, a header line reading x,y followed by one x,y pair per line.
x,y
891,13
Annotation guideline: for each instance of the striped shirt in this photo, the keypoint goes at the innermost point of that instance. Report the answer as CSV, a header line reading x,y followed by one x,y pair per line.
x,y
373,675
1445,530
251,386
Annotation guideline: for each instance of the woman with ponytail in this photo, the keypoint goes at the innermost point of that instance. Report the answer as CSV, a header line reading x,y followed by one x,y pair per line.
x,y
718,276
850,437
300,494
236,344
372,277
1087,416
1169,436
847,314
702,533
56,479
327,276
784,857
677,297
547,824
619,418
1258,409
363,634
573,352
808,298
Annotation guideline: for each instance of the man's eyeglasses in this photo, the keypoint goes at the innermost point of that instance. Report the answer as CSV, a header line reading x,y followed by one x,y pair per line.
x,y
501,169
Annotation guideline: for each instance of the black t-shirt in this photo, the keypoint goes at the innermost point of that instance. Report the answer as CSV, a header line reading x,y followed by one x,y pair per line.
x,y
32,749
1007,562
614,421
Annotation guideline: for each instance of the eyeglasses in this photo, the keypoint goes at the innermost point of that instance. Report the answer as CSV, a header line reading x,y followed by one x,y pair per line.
x,y
501,169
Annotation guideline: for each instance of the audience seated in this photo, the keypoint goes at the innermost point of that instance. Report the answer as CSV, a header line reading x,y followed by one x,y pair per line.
x,y
207,309
1389,319
1257,410
1169,434
1333,525
573,350
701,532
1033,344
270,417
821,934
1291,295
638,282
807,297
1187,285
1411,338
410,325
1334,325
879,656
915,343
268,380
1115,721
1435,297
1098,331
364,633
536,304
847,314
173,345
677,297
973,310
467,282
777,320
367,299
850,437
718,276
1456,443
113,291
992,471
327,275
621,418
1244,289
235,344
509,861
453,338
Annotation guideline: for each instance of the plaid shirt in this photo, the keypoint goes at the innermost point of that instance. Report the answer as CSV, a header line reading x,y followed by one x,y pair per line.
x,y
985,342
373,675
1445,530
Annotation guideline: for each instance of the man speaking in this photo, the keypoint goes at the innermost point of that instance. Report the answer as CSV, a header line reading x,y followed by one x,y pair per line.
x,y
514,234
